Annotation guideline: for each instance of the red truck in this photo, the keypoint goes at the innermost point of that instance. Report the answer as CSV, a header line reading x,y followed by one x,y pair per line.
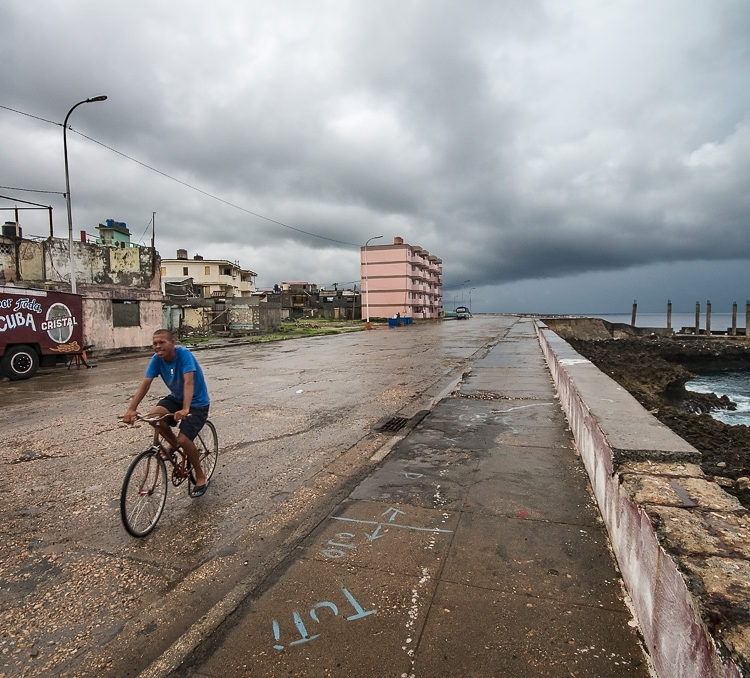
x,y
38,327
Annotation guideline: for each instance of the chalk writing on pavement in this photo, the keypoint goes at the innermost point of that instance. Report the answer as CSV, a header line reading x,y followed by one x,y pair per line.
x,y
370,530
299,624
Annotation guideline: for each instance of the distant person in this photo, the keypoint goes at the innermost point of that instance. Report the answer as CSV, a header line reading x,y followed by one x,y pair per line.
x,y
187,395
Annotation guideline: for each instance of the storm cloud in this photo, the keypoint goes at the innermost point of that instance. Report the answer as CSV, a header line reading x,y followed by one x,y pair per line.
x,y
556,155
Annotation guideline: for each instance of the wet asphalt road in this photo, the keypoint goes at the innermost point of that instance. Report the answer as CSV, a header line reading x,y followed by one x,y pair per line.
x,y
80,597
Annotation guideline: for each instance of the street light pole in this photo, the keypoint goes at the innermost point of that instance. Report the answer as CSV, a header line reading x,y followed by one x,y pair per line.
x,y
67,188
463,285
367,286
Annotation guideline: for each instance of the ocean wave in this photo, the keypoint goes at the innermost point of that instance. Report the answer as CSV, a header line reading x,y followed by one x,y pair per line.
x,y
735,384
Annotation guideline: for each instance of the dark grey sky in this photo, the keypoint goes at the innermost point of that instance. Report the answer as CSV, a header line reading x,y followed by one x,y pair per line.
x,y
562,156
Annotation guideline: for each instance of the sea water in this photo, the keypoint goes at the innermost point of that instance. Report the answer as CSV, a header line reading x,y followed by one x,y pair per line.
x,y
735,385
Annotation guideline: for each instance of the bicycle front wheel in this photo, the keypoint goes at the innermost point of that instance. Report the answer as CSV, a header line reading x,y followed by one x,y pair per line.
x,y
207,443
144,492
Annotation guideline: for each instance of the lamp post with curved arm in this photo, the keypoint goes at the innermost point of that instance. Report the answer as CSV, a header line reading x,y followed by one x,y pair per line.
x,y
67,188
463,286
367,287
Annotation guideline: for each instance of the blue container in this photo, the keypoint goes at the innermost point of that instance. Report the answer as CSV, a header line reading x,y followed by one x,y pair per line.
x,y
392,322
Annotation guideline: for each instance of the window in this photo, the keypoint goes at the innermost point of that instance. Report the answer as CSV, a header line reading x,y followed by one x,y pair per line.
x,y
126,313
184,270
206,270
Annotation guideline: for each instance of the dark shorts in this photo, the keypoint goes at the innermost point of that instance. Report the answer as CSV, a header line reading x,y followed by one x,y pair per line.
x,y
190,426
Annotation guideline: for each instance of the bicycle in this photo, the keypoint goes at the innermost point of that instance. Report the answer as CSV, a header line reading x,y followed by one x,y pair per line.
x,y
144,489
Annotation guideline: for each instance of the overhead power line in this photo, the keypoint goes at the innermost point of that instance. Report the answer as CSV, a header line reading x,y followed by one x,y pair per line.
x,y
211,195
29,115
183,183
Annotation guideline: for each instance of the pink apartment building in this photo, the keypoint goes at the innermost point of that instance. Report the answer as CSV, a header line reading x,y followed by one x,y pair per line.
x,y
401,278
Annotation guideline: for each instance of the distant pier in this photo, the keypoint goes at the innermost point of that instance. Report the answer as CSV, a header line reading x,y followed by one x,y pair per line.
x,y
695,329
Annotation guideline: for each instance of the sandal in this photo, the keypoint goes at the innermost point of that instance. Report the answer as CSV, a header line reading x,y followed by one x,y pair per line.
x,y
198,490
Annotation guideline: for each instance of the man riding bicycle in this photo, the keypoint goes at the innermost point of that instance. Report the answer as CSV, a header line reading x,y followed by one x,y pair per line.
x,y
188,395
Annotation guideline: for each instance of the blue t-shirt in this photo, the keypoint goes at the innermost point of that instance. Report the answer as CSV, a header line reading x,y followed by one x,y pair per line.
x,y
173,375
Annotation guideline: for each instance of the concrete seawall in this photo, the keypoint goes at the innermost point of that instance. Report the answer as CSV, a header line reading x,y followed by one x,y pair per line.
x,y
681,542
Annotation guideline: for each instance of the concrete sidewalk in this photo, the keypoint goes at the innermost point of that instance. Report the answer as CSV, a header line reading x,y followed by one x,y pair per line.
x,y
474,549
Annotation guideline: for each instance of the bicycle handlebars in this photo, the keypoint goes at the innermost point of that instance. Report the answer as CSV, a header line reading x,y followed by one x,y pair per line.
x,y
153,420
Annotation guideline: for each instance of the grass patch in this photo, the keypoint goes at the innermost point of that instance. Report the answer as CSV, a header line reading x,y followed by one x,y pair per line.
x,y
289,330
194,341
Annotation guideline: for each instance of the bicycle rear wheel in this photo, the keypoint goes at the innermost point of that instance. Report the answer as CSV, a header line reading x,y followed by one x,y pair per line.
x,y
144,492
207,443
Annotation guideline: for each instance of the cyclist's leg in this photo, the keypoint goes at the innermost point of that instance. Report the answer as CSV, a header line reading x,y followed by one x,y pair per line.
x,y
189,448
189,428
167,405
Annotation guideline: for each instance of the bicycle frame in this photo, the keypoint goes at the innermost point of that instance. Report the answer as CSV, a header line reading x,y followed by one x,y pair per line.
x,y
173,454
144,489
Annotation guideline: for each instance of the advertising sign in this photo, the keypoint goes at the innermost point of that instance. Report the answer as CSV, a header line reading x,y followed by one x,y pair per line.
x,y
35,324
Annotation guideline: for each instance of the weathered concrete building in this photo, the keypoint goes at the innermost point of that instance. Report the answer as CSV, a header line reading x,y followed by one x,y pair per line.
x,y
340,304
209,277
120,284
306,300
197,316
113,233
215,296
401,278
298,299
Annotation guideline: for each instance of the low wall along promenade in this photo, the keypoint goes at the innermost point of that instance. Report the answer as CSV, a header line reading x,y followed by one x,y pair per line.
x,y
681,542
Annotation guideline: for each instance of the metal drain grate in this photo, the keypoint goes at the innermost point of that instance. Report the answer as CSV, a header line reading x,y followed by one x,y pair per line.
x,y
392,425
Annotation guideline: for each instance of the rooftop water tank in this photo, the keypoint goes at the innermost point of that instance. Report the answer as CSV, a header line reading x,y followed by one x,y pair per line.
x,y
9,229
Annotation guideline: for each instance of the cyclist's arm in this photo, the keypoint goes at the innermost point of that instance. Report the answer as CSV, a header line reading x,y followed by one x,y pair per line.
x,y
188,388
145,385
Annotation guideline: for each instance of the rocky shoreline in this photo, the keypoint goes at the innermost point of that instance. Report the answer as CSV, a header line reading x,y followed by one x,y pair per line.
x,y
655,368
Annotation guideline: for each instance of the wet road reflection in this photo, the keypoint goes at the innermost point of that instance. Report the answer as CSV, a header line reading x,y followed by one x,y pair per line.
x,y
294,422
